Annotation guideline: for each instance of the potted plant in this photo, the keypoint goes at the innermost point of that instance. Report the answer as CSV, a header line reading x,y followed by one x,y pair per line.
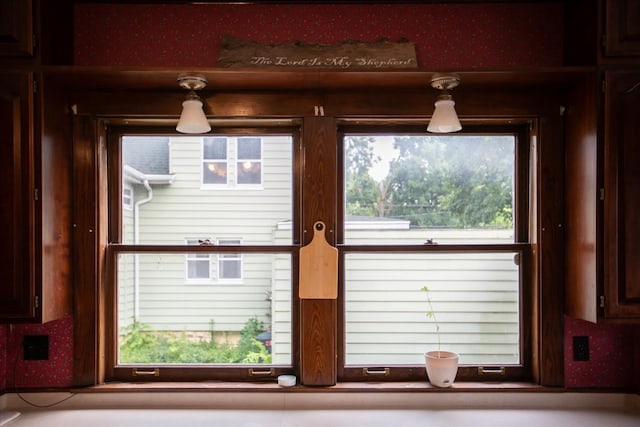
x,y
441,366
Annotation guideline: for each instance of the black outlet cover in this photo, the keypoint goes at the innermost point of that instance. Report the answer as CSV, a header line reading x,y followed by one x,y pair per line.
x,y
36,347
581,348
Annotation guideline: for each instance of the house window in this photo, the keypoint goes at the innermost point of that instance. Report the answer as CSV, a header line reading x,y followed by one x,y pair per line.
x,y
445,212
229,264
214,161
127,197
232,162
198,266
249,166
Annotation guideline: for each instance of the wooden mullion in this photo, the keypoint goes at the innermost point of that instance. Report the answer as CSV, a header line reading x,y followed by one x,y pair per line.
x,y
318,324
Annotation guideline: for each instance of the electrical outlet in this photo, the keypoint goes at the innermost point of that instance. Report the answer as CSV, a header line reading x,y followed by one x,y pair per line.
x,y
581,348
35,347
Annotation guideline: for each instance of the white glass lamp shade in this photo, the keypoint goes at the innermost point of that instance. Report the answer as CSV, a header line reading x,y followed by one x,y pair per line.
x,y
193,119
444,119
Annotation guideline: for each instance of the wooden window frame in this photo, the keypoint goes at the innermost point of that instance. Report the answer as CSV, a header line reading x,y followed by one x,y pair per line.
x,y
522,230
113,371
315,320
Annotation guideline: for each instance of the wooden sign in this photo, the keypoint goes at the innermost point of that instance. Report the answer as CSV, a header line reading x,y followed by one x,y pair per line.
x,y
382,54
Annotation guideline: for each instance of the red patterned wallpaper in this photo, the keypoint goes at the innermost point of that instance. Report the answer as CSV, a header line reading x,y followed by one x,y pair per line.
x,y
57,371
492,35
446,35
612,357
3,356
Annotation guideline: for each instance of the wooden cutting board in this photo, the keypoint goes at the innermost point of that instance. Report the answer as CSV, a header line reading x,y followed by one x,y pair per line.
x,y
318,267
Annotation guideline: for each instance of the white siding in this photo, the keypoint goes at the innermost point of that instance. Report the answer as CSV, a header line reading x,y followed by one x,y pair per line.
x,y
186,209
475,297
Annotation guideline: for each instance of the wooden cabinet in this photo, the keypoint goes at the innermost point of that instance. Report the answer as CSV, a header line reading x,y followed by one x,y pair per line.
x,y
622,28
603,201
16,28
621,233
34,202
17,298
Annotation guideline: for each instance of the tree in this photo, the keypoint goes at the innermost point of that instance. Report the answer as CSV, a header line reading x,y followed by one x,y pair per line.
x,y
363,194
460,181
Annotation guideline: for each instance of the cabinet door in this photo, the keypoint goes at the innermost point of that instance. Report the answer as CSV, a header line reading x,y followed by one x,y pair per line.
x,y
622,28
16,28
622,196
16,108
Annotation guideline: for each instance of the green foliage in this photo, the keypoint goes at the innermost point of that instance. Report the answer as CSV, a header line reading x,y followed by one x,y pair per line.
x,y
431,314
435,181
363,192
141,344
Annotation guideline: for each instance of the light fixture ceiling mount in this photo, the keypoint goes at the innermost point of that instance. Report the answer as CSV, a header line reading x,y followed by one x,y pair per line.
x,y
192,119
444,81
444,119
192,82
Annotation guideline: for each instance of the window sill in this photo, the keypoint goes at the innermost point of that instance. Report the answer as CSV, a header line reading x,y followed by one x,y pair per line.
x,y
386,387
399,396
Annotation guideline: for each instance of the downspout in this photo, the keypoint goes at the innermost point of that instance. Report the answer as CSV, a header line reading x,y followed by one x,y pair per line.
x,y
136,240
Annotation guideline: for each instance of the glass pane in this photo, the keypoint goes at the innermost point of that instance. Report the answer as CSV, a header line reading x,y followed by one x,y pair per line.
x,y
230,268
249,172
172,202
198,269
452,188
475,300
249,149
214,173
164,320
214,148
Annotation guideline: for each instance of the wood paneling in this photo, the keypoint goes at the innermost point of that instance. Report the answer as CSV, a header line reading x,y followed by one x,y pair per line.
x,y
551,225
318,324
16,28
622,28
37,200
16,143
582,200
85,257
54,182
621,183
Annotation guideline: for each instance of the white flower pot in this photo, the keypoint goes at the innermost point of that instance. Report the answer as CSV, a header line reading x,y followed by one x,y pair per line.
x,y
442,367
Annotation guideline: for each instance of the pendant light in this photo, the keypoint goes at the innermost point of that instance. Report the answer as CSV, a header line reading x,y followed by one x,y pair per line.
x,y
444,119
192,119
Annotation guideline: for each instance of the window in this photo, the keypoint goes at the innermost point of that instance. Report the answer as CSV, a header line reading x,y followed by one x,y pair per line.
x,y
127,197
229,264
249,161
232,161
301,182
214,161
198,265
445,212
209,328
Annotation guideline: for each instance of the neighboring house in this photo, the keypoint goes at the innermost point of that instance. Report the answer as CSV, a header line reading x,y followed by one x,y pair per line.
x,y
195,190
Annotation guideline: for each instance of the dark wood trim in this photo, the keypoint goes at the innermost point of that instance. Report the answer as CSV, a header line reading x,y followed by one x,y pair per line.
x,y
315,321
318,318
90,233
550,237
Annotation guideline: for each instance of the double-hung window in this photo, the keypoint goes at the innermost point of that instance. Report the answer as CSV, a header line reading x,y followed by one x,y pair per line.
x,y
229,264
232,161
198,266
446,212
443,212
202,262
